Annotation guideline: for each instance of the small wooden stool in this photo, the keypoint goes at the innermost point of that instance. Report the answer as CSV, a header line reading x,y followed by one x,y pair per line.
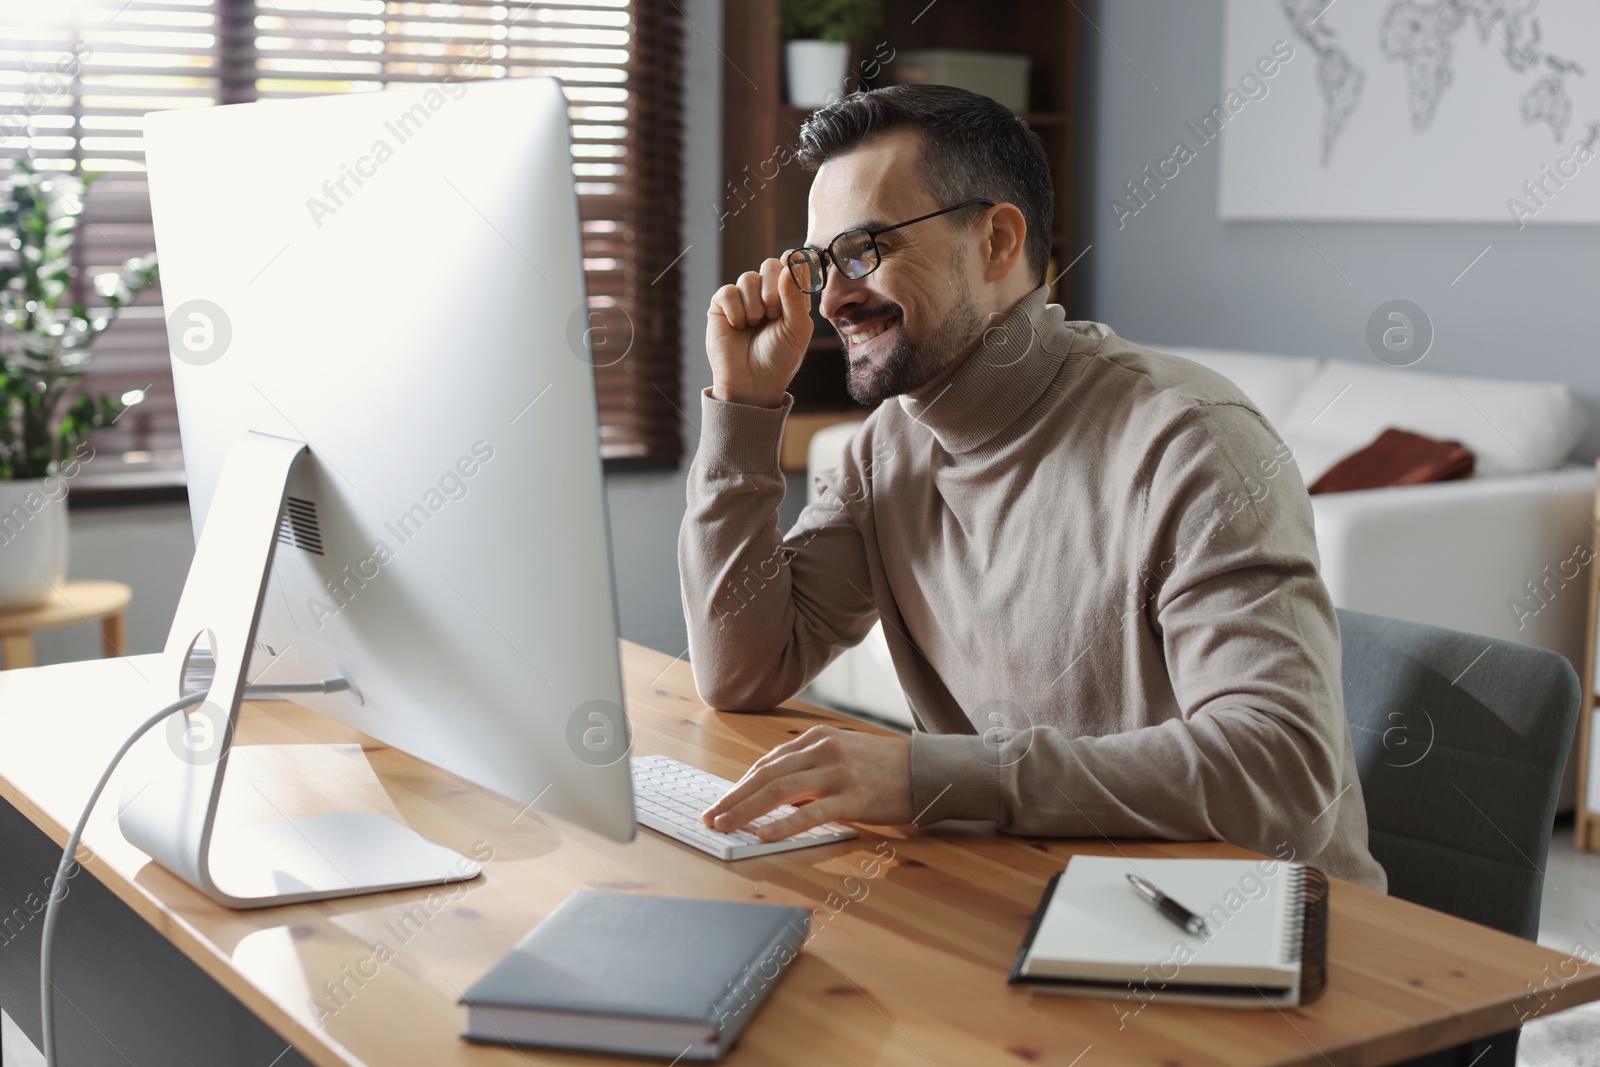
x,y
74,602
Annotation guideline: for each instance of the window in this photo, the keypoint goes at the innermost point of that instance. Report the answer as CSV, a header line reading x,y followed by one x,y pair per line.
x,y
77,76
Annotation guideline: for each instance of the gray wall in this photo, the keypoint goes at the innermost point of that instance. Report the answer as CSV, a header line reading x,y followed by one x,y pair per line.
x,y
150,547
1175,274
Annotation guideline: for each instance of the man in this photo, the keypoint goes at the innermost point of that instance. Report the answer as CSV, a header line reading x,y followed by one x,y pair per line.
x,y
1094,564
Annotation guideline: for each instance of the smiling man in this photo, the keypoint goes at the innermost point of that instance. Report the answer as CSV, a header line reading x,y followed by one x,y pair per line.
x,y
1094,564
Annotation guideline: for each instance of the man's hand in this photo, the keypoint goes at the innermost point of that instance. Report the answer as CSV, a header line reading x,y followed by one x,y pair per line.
x,y
756,335
831,774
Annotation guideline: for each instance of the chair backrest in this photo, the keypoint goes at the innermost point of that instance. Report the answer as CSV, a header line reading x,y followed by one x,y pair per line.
x,y
1460,743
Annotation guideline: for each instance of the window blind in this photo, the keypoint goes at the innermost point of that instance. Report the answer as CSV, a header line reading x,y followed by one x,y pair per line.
x,y
76,78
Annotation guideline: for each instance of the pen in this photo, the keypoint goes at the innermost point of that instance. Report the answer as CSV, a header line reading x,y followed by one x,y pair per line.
x,y
1179,914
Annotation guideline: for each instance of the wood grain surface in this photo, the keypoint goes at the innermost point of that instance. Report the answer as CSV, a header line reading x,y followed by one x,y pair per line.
x,y
912,933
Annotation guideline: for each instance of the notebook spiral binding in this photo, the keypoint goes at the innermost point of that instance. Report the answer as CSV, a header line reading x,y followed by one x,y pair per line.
x,y
1312,941
1294,937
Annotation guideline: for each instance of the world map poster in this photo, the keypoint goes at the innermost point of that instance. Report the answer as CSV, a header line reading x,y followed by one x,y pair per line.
x,y
1410,110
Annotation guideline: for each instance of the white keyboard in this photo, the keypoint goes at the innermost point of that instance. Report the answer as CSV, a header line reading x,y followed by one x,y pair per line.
x,y
668,797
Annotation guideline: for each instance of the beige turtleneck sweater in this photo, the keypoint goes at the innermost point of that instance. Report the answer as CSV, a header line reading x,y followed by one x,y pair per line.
x,y
1097,574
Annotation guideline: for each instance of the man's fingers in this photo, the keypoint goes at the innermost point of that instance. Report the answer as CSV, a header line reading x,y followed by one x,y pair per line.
x,y
788,773
755,309
788,789
772,276
800,820
730,305
757,777
788,748
741,790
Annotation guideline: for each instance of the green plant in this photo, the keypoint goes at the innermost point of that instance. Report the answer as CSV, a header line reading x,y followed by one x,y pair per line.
x,y
830,20
45,348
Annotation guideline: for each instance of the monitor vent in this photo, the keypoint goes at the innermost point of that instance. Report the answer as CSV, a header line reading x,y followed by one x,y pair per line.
x,y
299,526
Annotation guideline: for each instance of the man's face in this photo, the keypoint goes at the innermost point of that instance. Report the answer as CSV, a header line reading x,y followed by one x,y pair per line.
x,y
912,317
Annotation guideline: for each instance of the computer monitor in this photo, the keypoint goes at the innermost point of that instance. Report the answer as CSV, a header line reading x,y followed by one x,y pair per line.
x,y
380,343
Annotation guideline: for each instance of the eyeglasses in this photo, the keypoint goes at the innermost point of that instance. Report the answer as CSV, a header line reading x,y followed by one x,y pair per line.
x,y
854,252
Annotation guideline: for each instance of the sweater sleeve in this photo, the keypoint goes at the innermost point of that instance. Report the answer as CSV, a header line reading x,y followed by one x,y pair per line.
x,y
765,611
1251,645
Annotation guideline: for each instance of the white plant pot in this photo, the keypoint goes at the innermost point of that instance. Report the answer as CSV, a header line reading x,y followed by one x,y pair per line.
x,y
33,540
816,71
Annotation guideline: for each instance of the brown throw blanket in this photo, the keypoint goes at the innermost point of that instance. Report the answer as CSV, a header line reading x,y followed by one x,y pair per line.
x,y
1397,457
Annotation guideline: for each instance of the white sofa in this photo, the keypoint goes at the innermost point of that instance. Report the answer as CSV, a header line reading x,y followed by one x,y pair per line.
x,y
1458,554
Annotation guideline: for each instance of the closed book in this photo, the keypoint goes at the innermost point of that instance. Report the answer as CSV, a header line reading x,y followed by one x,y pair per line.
x,y
637,975
1095,935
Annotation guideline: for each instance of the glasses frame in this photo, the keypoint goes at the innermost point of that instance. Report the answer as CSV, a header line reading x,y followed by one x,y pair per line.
x,y
825,256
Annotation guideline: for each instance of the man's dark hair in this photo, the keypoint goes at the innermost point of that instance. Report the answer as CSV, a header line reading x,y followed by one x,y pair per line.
x,y
971,146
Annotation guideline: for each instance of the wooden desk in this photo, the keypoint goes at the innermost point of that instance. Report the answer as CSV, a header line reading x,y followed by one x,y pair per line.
x,y
905,967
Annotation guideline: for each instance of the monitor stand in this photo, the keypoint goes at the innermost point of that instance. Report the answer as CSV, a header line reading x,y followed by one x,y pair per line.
x,y
170,812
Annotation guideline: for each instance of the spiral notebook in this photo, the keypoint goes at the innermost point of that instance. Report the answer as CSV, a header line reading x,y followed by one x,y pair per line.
x,y
1094,935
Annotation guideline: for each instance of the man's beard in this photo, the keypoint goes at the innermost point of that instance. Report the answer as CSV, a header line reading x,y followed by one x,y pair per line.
x,y
912,364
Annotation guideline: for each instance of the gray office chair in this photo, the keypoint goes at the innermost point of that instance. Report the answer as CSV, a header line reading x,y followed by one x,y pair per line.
x,y
1460,743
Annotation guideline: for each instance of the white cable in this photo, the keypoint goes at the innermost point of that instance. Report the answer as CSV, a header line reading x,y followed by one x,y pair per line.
x,y
58,884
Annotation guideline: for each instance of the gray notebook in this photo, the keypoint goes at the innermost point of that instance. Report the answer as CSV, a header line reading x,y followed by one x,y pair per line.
x,y
646,976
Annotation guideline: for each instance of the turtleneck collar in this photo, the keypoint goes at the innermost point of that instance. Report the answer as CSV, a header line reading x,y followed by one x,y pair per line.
x,y
1012,366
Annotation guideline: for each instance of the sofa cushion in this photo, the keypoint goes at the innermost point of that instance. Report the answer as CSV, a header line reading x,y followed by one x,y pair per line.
x,y
826,451
1272,383
1511,427
1312,457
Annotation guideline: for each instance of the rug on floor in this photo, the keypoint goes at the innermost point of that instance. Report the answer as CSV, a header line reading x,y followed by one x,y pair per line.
x,y
1566,1039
